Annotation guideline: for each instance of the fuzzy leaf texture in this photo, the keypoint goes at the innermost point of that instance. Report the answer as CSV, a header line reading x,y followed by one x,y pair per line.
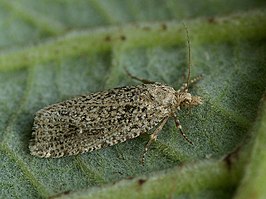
x,y
51,51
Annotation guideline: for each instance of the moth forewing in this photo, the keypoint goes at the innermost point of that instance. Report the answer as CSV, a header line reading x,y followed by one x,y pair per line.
x,y
97,120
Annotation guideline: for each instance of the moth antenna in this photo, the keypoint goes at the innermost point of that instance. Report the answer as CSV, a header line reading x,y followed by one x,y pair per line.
x,y
189,57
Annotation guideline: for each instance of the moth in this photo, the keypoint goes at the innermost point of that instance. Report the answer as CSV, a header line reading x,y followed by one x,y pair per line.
x,y
97,120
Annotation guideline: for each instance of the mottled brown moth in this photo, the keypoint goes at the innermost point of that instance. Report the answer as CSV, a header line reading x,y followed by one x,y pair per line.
x,y
105,118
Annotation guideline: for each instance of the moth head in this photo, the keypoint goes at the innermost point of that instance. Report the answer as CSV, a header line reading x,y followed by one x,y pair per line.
x,y
185,99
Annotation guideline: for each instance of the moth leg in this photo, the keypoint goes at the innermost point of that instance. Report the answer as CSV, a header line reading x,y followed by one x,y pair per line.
x,y
153,137
178,125
191,82
145,81
195,79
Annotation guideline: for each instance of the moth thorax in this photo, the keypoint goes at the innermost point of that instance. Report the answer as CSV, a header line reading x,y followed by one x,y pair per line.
x,y
163,95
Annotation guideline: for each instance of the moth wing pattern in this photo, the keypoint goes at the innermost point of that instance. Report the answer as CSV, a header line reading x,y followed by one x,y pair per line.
x,y
94,121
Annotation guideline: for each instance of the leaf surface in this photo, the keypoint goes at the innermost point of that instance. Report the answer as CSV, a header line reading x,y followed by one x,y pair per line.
x,y
54,50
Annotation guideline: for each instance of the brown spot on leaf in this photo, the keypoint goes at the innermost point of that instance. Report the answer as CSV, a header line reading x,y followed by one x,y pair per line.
x,y
59,195
211,20
163,26
231,158
108,38
141,181
123,37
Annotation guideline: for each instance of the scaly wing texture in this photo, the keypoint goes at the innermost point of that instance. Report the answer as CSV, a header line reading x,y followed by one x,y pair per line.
x,y
94,121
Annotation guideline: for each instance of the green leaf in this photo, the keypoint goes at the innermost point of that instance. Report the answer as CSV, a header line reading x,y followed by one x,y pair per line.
x,y
254,177
55,50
